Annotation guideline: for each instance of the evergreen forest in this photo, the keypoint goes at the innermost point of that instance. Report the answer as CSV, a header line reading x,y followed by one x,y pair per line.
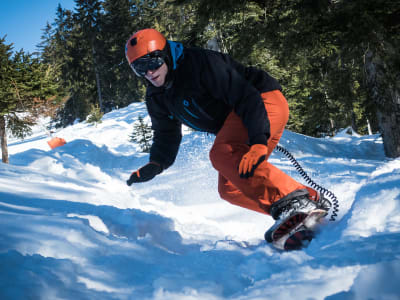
x,y
338,61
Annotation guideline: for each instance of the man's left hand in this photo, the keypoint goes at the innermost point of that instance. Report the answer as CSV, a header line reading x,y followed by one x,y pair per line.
x,y
252,159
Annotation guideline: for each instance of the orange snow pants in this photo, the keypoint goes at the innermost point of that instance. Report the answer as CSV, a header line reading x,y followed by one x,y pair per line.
x,y
268,184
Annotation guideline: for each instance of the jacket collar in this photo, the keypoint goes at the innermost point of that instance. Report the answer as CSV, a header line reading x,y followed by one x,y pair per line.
x,y
176,52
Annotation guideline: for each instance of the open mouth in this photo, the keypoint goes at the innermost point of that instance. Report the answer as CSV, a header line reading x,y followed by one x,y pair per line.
x,y
154,78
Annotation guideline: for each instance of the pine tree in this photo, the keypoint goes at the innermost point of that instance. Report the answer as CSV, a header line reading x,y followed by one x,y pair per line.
x,y
121,86
87,17
58,48
142,134
6,74
27,90
95,115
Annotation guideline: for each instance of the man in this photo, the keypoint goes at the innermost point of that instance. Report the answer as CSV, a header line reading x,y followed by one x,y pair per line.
x,y
244,107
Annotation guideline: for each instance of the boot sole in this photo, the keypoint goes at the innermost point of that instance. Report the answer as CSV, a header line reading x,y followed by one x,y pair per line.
x,y
297,231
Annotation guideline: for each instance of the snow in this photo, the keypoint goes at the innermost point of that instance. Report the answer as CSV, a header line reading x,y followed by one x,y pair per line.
x,y
70,227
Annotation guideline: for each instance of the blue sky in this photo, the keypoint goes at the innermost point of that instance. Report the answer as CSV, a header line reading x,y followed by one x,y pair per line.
x,y
23,20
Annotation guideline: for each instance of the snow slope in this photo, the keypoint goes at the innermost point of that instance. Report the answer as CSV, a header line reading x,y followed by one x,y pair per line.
x,y
70,228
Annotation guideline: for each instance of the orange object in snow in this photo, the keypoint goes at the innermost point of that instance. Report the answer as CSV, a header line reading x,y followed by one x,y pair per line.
x,y
56,142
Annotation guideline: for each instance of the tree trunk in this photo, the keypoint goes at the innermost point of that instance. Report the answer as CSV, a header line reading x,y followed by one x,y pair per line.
x,y
3,140
96,70
369,127
386,94
333,128
353,121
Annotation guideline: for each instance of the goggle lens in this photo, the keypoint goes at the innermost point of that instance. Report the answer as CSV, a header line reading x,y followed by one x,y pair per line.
x,y
144,64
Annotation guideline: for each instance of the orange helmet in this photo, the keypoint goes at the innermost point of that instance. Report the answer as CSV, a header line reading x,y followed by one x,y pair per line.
x,y
144,42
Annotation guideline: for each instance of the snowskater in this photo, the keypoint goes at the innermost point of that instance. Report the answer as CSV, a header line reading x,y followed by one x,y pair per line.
x,y
245,109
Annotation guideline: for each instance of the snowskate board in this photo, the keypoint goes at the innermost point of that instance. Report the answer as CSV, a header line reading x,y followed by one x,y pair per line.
x,y
296,231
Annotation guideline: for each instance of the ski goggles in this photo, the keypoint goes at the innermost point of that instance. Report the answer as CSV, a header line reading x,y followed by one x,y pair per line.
x,y
146,63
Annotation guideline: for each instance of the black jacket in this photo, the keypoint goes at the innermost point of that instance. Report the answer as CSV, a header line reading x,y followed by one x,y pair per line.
x,y
206,86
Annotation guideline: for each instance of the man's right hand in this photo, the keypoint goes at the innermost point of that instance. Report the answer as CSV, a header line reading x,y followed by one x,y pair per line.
x,y
145,173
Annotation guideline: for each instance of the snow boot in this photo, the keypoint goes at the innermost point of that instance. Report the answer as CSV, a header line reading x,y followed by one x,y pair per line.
x,y
297,218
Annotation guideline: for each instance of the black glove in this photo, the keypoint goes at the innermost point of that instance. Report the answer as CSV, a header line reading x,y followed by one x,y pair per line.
x,y
145,173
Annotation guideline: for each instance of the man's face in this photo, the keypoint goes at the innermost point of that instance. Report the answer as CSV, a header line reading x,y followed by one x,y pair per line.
x,y
157,77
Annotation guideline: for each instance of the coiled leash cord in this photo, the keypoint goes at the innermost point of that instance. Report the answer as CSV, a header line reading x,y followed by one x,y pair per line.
x,y
322,190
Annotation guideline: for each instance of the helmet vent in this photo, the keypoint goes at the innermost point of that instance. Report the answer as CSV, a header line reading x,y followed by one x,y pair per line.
x,y
133,41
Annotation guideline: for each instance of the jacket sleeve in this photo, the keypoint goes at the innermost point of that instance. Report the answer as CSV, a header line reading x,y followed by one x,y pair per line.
x,y
223,81
167,134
